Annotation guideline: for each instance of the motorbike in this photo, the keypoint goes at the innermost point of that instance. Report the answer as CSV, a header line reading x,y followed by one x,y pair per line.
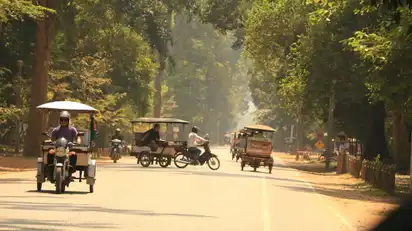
x,y
60,174
116,145
184,158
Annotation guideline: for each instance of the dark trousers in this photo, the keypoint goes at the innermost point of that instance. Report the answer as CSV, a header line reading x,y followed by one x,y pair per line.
x,y
195,152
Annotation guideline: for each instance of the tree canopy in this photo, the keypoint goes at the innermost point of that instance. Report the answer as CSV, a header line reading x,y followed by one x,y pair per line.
x,y
198,60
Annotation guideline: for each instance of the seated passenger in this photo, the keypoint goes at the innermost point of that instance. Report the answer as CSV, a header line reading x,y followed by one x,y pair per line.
x,y
69,133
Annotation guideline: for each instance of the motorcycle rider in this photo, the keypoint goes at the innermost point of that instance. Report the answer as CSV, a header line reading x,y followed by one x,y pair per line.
x,y
193,142
117,136
70,134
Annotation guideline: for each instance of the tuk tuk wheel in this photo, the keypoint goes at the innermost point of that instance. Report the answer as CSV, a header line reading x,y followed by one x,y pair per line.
x,y
145,160
39,185
164,161
254,169
270,168
242,165
91,188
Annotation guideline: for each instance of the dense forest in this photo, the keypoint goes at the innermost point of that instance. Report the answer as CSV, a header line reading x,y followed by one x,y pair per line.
x,y
197,60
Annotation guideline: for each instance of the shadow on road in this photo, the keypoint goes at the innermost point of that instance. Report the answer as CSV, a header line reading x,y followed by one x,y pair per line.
x,y
344,194
54,192
16,181
27,225
66,207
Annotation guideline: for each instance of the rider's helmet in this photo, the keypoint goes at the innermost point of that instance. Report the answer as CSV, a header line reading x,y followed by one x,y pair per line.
x,y
64,118
117,130
195,129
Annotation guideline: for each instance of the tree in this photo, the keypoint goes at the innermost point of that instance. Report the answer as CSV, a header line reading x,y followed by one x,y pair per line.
x,y
44,38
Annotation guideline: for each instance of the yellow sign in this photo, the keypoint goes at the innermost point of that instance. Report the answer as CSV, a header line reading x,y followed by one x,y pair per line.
x,y
319,144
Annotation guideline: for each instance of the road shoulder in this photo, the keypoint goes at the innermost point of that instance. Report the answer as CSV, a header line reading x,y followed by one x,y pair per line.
x,y
358,203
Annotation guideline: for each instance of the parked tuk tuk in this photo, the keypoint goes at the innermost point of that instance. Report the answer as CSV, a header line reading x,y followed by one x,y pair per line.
x,y
53,164
173,135
258,147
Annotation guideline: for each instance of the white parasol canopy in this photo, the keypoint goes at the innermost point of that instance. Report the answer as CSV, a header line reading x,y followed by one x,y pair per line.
x,y
67,106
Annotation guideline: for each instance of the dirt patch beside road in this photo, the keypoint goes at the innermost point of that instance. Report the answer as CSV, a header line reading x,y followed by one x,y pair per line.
x,y
359,203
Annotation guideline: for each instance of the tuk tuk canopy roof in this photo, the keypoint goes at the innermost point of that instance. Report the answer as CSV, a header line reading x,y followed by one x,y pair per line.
x,y
260,127
159,120
67,106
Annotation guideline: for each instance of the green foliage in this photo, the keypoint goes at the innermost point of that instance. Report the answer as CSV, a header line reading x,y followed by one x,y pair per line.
x,y
18,9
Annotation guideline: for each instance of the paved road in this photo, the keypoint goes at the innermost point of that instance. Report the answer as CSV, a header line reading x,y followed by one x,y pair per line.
x,y
129,197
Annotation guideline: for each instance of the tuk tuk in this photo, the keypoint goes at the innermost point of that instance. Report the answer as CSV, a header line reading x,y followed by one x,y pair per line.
x,y
53,164
237,145
258,147
173,135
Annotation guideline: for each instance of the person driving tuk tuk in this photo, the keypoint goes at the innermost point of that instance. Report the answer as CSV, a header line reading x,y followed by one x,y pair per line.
x,y
69,133
259,134
152,136
193,142
242,141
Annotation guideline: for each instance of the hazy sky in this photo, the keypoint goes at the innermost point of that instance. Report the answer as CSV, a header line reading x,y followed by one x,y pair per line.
x,y
248,118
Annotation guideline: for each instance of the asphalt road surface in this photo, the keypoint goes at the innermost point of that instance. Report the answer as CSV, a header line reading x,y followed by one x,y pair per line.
x,y
130,197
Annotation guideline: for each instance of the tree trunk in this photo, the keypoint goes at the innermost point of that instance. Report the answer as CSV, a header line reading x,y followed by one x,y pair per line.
x,y
163,53
375,141
401,142
158,88
42,52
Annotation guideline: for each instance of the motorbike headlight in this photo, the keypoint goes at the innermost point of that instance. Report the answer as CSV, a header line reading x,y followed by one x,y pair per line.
x,y
60,151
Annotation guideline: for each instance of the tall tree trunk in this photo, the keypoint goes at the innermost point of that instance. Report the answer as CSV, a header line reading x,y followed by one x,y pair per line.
x,y
42,52
158,87
376,142
401,142
163,53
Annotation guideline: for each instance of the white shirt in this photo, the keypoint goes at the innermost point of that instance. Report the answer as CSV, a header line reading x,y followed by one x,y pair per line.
x,y
194,140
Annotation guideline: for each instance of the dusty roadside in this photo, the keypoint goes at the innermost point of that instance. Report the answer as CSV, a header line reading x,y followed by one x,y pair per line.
x,y
10,164
357,202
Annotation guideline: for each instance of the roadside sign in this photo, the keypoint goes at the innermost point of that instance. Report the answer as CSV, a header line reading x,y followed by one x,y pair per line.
x,y
319,144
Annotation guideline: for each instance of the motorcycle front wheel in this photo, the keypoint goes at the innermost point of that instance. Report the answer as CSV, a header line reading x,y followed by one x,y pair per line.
x,y
213,163
180,157
60,186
